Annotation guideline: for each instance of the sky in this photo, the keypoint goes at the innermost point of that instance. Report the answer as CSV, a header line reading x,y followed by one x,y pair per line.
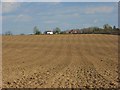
x,y
21,17
59,0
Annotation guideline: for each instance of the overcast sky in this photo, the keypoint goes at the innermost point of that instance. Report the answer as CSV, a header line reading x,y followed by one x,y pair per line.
x,y
21,17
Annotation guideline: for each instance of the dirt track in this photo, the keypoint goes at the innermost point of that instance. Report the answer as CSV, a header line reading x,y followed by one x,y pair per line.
x,y
83,61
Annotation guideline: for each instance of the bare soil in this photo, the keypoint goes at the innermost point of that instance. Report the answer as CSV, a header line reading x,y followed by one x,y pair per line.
x,y
60,61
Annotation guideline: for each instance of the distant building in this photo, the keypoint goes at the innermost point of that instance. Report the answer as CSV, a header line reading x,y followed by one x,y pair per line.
x,y
73,31
49,32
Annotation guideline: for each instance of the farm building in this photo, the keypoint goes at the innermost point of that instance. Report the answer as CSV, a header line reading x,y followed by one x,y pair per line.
x,y
49,32
73,31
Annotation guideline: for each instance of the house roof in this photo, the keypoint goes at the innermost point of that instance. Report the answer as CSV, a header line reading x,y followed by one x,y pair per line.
x,y
49,31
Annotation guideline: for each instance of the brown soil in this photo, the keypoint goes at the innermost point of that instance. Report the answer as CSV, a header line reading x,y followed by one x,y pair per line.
x,y
56,61
0,61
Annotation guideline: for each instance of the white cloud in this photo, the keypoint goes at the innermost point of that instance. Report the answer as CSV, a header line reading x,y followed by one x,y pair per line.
x,y
50,21
87,25
18,18
31,0
10,6
53,3
70,15
9,0
23,18
60,0
0,8
101,9
74,15
96,21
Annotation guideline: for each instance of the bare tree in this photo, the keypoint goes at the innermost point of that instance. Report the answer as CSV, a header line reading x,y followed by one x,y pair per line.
x,y
8,33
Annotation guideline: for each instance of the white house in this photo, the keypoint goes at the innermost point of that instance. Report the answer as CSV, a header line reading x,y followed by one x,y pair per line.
x,y
49,32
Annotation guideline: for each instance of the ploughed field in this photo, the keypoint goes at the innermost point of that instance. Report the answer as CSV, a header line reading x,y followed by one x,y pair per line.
x,y
60,61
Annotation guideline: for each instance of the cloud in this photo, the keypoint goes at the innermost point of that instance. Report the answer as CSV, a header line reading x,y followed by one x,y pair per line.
x,y
101,9
31,0
8,7
0,9
18,18
53,3
70,15
50,21
9,0
87,24
23,18
60,0
95,21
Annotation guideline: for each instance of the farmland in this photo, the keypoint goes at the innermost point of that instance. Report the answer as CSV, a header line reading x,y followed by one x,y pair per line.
x,y
56,61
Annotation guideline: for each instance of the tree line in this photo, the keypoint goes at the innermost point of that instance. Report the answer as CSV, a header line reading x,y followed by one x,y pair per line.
x,y
36,31
107,29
